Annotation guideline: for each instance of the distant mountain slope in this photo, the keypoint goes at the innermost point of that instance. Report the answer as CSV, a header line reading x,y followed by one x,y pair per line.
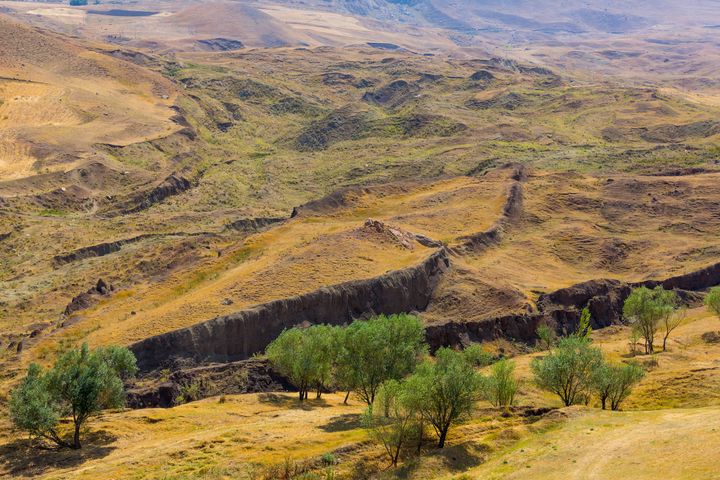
x,y
59,97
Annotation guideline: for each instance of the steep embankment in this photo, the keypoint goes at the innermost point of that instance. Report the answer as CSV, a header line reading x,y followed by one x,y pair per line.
x,y
240,335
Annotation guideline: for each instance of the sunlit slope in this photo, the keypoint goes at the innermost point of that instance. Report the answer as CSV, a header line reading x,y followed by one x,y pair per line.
x,y
58,98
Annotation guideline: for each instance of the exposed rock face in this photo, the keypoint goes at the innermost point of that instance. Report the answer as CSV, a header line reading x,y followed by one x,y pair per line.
x,y
247,225
86,299
245,376
393,234
562,308
172,185
482,76
98,250
219,44
240,335
392,94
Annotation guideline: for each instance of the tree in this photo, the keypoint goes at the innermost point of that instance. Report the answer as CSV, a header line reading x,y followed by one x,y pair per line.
x,y
392,419
614,383
624,378
712,301
585,326
79,385
380,349
290,356
671,322
501,386
647,309
567,370
547,336
444,390
322,340
305,356
602,381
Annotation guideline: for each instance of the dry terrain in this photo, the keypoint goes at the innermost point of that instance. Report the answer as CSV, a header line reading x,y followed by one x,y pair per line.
x,y
164,163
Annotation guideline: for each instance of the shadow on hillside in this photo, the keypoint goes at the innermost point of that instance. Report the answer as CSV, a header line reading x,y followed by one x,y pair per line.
x,y
27,458
456,458
344,422
291,401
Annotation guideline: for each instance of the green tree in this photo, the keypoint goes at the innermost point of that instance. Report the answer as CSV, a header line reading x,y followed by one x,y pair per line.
x,y
380,349
444,390
500,387
293,355
613,383
712,301
322,340
585,326
392,419
567,370
647,309
624,378
79,385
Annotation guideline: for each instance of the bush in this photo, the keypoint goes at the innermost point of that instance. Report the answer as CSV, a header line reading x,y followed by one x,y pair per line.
x,y
477,357
567,370
80,384
547,336
444,390
500,386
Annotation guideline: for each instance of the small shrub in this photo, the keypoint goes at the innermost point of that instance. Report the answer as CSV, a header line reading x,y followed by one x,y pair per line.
x,y
501,386
477,357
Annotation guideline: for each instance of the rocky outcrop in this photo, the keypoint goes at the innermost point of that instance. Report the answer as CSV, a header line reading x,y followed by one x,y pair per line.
x,y
173,185
249,225
87,299
242,334
98,250
562,308
245,376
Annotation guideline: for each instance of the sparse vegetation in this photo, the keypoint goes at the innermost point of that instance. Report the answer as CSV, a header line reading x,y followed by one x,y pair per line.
x,y
79,385
547,336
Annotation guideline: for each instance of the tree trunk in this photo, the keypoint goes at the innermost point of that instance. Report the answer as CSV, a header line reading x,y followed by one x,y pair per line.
x,y
347,395
76,437
665,342
443,435
319,391
603,400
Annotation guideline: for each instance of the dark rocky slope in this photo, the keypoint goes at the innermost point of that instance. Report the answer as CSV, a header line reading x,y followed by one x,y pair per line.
x,y
240,335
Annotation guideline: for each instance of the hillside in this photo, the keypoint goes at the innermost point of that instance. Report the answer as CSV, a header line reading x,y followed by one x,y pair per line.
x,y
59,99
189,179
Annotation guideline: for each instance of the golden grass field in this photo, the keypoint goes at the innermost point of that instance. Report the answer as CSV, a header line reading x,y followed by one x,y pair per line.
x,y
243,436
